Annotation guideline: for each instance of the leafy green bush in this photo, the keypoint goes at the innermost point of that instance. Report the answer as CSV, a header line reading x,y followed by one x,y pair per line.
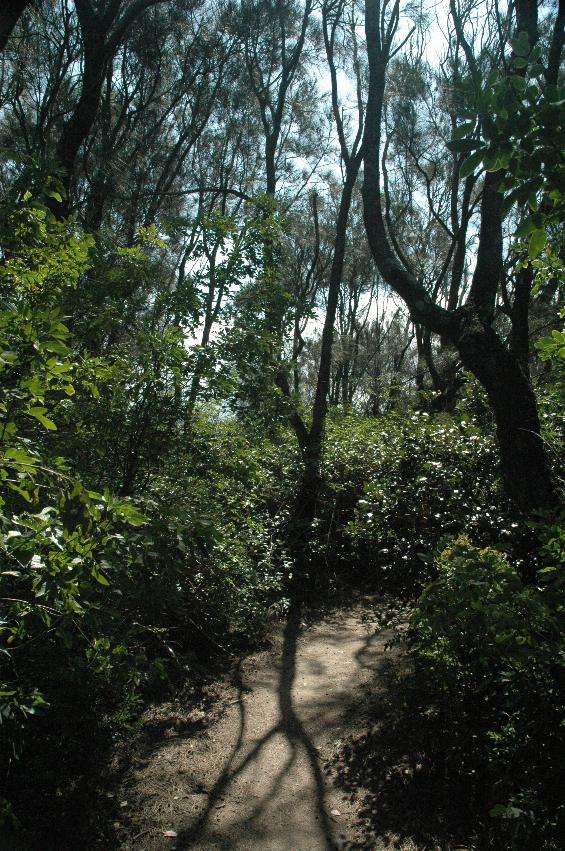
x,y
103,597
413,481
551,395
490,652
62,545
216,562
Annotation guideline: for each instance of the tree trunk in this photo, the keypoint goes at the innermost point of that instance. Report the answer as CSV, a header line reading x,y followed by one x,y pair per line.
x,y
524,464
324,370
81,121
101,35
520,338
9,17
523,460
311,440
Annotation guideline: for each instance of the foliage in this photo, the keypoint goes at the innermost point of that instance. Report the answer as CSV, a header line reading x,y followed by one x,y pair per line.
x,y
41,258
423,478
216,558
491,651
251,345
104,596
150,372
552,348
516,128
62,544
551,351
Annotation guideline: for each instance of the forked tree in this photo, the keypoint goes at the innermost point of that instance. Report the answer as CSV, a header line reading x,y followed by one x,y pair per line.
x,y
470,327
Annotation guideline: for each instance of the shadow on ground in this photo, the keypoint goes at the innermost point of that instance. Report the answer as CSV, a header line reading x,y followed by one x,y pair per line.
x,y
65,788
395,771
297,742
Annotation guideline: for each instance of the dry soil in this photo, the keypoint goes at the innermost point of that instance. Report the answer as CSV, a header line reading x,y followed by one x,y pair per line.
x,y
254,778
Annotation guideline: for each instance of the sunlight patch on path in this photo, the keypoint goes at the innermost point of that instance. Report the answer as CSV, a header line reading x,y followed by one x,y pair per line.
x,y
256,779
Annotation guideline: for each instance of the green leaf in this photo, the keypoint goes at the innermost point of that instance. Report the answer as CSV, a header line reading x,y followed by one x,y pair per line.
x,y
519,83
537,70
463,146
23,493
20,456
57,368
471,163
509,202
131,514
521,44
463,130
39,415
56,347
505,811
497,160
35,386
526,227
537,243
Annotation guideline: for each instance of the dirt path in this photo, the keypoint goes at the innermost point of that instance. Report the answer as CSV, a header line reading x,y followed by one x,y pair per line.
x,y
255,778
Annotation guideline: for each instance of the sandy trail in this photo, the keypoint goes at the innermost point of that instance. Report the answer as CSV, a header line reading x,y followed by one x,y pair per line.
x,y
256,779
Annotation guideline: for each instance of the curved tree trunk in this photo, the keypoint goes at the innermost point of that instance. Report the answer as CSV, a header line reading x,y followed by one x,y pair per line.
x,y
81,121
101,35
523,460
524,464
9,16
309,487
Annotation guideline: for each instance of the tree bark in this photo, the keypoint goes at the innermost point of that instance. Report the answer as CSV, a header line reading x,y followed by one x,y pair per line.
x,y
9,17
524,465
82,119
523,460
101,34
309,487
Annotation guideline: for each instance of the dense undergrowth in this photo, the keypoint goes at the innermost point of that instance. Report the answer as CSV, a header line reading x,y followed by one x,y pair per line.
x,y
193,285
138,543
489,655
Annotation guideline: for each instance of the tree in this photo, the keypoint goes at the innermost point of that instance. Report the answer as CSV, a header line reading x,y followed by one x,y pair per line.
x,y
168,82
470,328
272,34
339,33
9,17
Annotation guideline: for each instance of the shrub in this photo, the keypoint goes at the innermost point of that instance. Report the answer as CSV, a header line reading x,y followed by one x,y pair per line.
x,y
410,482
65,549
490,652
216,562
103,597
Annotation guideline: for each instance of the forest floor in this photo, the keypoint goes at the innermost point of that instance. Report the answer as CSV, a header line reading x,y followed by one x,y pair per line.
x,y
323,741
259,772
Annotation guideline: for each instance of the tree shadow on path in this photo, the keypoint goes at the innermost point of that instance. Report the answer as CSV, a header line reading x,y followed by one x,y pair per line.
x,y
396,773
297,743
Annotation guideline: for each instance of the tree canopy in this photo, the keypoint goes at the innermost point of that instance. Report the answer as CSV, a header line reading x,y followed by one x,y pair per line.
x,y
281,301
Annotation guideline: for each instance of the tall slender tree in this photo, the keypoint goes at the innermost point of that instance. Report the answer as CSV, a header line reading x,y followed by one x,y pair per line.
x,y
470,328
